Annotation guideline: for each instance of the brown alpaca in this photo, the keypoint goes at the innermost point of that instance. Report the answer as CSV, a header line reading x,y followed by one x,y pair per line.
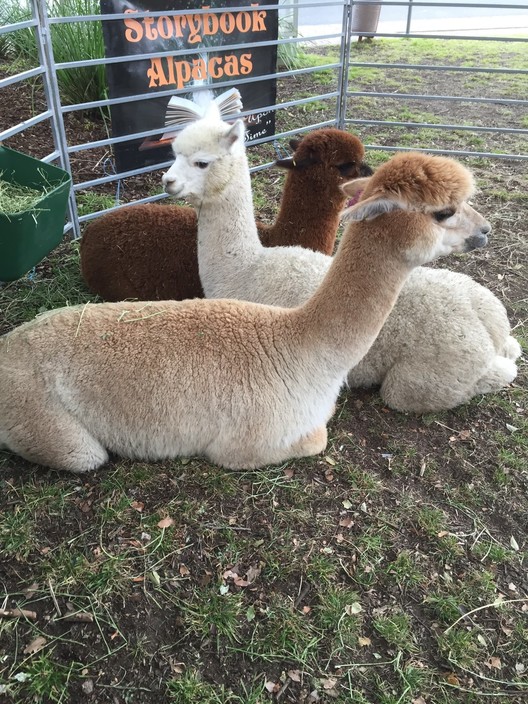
x,y
240,383
149,251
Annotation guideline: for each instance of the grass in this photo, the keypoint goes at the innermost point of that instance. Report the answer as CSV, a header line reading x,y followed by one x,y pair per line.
x,y
72,41
382,572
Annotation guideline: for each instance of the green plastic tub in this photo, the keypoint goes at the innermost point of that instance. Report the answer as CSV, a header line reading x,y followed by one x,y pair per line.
x,y
27,237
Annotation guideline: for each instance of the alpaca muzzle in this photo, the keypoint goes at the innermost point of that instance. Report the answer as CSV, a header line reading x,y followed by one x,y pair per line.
x,y
476,241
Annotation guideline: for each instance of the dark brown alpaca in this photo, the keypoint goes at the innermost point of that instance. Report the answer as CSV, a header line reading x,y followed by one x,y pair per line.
x,y
149,251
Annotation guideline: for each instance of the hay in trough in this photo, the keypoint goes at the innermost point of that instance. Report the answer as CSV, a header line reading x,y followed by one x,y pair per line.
x,y
15,198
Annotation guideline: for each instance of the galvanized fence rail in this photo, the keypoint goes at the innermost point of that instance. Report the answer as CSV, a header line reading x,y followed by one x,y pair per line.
x,y
340,97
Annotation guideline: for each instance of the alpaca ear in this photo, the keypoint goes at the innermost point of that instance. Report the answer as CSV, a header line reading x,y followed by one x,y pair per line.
x,y
370,208
353,188
287,163
294,144
235,133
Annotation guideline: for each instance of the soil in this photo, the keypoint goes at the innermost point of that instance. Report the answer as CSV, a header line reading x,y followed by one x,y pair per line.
x,y
450,461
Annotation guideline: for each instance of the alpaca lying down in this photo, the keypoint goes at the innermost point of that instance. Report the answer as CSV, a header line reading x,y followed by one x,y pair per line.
x,y
149,251
240,383
447,338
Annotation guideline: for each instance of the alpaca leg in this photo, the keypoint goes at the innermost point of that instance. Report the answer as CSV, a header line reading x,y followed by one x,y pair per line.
x,y
501,372
311,444
260,456
418,391
511,349
53,438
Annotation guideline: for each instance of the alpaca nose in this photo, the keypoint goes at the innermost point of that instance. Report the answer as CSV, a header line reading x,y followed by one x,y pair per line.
x,y
485,229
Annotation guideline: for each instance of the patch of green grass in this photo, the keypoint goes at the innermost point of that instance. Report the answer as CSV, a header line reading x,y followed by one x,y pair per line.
x,y
191,689
60,285
459,647
404,570
339,615
208,613
90,202
44,679
282,632
396,629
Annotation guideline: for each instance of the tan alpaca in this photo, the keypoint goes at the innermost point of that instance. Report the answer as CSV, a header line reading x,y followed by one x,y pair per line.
x,y
242,384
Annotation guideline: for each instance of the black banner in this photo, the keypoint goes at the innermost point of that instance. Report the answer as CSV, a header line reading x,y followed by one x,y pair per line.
x,y
142,35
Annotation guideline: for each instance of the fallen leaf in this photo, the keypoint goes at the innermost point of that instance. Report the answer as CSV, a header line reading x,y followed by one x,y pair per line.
x,y
224,589
252,573
514,543
364,642
240,582
329,460
520,668
353,609
272,686
289,473
306,609
329,683
36,644
347,504
511,428
453,679
494,663
154,578
250,613
184,570
294,675
464,434
329,475
419,700
346,522
138,505
166,522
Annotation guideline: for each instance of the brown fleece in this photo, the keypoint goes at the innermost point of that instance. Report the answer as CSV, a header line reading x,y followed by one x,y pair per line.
x,y
149,251
423,181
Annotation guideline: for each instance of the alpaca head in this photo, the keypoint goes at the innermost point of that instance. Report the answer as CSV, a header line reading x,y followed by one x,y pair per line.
x,y
204,153
330,156
421,202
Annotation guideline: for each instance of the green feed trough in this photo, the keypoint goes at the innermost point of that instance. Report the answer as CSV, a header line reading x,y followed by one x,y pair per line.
x,y
29,234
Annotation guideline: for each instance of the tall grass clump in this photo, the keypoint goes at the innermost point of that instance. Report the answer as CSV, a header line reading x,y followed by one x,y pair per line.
x,y
71,41
288,55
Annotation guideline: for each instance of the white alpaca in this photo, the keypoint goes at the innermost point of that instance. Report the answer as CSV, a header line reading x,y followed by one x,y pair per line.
x,y
240,383
447,339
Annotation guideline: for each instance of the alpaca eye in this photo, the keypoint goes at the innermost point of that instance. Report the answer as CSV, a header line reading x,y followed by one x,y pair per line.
x,y
347,169
202,164
443,214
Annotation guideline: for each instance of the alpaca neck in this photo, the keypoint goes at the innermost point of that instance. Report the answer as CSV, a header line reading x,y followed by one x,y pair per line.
x,y
306,218
227,233
343,318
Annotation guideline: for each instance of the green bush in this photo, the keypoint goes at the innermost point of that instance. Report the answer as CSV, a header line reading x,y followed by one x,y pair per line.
x,y
71,41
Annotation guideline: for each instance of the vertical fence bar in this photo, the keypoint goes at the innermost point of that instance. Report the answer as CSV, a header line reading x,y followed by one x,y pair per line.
x,y
409,18
342,84
51,91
